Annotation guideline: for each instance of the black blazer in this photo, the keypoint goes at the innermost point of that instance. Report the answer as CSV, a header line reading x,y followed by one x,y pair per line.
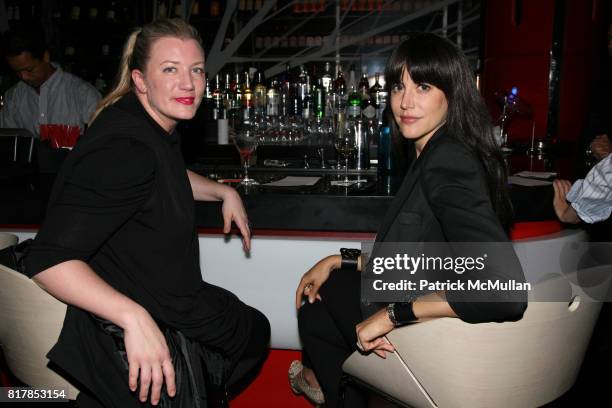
x,y
444,198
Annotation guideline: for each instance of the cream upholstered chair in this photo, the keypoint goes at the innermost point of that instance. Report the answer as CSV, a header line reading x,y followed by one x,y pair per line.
x,y
30,323
449,363
6,239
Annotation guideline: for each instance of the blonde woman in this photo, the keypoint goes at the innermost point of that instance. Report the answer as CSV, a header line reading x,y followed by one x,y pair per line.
x,y
119,243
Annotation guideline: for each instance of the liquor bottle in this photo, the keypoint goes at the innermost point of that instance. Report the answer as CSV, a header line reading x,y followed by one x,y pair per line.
x,y
368,105
302,83
318,98
93,12
178,9
307,107
215,8
217,99
297,7
195,8
286,93
352,79
385,152
247,98
273,96
340,84
358,127
207,101
260,95
110,13
235,102
364,84
338,95
162,11
326,78
379,95
75,12
354,97
227,93
237,89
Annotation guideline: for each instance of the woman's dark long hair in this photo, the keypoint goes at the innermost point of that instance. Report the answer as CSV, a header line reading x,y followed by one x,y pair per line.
x,y
434,60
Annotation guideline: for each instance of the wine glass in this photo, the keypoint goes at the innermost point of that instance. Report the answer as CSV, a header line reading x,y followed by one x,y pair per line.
x,y
346,146
246,143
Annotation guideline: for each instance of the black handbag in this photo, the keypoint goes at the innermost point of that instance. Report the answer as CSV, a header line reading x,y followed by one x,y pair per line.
x,y
14,255
198,370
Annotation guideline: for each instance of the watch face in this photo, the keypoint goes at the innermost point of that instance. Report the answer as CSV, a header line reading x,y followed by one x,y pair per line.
x,y
350,253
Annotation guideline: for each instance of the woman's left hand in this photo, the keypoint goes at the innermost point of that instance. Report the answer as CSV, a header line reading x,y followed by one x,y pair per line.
x,y
233,210
371,332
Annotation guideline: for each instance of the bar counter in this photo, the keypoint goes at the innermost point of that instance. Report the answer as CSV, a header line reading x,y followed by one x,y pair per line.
x,y
321,207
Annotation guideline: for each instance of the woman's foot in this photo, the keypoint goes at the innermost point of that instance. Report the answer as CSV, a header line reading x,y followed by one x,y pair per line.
x,y
303,381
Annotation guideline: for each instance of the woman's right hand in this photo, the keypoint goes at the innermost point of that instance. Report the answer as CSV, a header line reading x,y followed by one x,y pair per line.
x,y
74,282
316,276
148,357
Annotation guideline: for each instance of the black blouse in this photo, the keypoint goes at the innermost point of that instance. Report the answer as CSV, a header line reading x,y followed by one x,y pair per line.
x,y
123,203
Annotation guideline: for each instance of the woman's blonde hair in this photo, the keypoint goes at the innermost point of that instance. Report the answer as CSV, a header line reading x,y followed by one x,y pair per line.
x,y
136,54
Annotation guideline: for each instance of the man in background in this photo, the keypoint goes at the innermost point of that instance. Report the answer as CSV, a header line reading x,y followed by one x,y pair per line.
x,y
45,94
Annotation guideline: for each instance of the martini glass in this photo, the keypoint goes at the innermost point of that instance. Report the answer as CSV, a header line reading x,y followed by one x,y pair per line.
x,y
246,143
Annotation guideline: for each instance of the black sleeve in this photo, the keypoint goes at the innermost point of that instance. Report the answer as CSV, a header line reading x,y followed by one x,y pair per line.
x,y
454,183
98,194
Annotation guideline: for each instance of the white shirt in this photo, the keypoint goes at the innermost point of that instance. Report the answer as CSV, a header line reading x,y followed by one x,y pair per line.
x,y
64,99
592,197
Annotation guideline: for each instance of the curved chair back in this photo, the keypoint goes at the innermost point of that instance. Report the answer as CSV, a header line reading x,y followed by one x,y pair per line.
x,y
449,363
30,323
6,240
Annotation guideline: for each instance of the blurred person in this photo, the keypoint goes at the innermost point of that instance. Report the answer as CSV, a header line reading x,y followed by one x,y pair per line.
x,y
45,94
588,200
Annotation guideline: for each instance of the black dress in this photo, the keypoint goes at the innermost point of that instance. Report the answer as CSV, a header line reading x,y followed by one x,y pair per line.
x,y
123,203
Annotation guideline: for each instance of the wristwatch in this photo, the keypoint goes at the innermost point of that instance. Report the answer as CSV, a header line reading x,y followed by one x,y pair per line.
x,y
401,314
350,256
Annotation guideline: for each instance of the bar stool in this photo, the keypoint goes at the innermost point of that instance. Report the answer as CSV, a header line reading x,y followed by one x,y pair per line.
x,y
30,324
449,363
6,240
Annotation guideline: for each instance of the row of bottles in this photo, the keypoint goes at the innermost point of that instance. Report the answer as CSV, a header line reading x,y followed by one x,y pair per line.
x,y
315,6
378,5
90,11
240,96
302,40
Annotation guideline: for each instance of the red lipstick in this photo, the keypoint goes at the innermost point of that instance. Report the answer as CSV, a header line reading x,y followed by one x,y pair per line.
x,y
185,101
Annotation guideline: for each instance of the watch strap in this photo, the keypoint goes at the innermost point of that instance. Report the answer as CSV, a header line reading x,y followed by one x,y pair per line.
x,y
350,257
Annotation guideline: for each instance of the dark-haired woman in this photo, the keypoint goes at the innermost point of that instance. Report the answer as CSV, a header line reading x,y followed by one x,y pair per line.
x,y
454,191
119,242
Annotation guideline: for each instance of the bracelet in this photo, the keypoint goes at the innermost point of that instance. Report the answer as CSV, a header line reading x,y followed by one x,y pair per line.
x,y
401,313
391,314
350,257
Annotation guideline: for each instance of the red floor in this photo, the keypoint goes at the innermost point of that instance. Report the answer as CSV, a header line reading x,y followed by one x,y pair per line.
x,y
271,387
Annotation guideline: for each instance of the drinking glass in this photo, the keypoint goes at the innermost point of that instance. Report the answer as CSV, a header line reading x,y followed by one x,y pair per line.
x,y
346,146
246,143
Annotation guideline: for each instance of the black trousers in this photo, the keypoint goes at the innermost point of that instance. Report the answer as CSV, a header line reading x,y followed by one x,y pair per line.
x,y
327,331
